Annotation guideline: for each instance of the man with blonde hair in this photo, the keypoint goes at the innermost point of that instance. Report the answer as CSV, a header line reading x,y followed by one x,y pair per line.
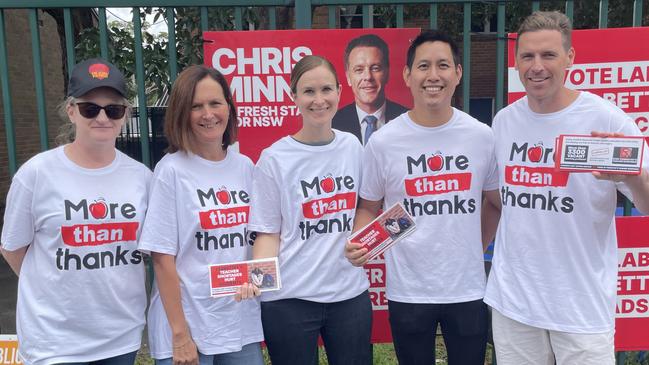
x,y
552,285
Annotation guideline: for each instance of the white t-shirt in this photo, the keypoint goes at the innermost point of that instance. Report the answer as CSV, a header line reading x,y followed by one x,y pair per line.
x,y
555,260
438,174
198,212
81,290
308,194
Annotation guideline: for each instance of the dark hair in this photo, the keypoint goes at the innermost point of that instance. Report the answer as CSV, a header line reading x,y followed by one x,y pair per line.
x,y
308,63
432,36
177,126
368,40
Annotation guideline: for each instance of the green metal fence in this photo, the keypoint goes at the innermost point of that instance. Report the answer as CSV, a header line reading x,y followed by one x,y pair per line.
x,y
303,19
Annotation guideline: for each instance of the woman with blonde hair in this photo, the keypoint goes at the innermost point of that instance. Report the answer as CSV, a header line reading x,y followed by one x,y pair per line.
x,y
70,232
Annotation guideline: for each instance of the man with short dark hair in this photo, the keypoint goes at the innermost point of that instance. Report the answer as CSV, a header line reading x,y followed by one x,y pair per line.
x,y
367,67
437,161
552,284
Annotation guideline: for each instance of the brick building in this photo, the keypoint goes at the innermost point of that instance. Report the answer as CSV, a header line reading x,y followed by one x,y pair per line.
x,y
23,90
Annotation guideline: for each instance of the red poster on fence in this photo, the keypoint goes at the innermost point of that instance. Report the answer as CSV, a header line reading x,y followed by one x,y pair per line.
x,y
612,63
632,309
258,66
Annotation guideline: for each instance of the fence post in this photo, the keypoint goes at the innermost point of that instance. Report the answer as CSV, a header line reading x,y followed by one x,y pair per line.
x,y
302,14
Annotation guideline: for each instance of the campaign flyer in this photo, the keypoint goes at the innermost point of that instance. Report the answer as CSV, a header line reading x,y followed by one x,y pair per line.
x,y
384,231
617,155
225,279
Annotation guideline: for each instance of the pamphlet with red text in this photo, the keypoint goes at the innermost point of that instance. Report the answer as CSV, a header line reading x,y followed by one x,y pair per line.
x,y
613,155
384,231
225,279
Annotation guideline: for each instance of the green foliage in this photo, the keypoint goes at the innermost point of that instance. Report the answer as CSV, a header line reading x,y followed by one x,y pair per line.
x,y
155,48
121,52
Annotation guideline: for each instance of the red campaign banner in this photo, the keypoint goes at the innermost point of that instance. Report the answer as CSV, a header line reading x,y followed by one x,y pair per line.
x,y
258,65
619,75
375,270
632,309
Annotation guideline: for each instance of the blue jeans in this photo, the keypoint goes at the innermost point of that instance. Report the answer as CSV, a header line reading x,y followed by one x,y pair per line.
x,y
125,359
464,328
250,354
292,326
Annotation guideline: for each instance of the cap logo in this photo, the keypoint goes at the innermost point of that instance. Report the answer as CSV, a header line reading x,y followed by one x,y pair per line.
x,y
98,71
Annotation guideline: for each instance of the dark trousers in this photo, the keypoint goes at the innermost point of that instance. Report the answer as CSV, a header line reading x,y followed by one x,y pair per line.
x,y
126,359
292,326
464,328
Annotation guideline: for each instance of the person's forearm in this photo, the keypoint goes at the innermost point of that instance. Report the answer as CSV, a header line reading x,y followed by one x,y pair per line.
x,y
366,212
639,186
490,216
169,287
266,245
15,258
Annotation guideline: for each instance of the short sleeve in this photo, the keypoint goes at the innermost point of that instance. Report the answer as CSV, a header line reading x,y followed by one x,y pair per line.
x,y
628,128
265,202
160,231
18,227
373,184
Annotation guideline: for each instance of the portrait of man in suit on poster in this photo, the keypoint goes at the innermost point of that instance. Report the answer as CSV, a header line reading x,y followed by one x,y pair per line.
x,y
367,69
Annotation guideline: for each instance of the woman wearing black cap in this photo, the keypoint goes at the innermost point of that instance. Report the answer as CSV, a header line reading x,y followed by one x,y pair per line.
x,y
70,232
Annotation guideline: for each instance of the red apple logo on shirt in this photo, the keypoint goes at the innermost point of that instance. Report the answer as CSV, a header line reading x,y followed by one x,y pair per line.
x,y
535,153
223,195
435,162
99,209
327,184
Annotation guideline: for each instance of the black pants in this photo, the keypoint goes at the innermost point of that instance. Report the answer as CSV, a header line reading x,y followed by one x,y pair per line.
x,y
292,326
464,327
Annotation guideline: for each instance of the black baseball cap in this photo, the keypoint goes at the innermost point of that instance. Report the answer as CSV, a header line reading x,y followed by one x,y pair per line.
x,y
93,73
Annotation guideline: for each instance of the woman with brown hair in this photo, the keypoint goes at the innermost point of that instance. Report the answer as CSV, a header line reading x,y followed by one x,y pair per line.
x,y
199,182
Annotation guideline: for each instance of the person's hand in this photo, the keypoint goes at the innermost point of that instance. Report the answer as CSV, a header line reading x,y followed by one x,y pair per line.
x,y
247,291
356,254
604,175
184,350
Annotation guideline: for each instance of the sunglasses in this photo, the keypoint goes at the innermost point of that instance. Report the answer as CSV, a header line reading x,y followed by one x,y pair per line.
x,y
91,110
